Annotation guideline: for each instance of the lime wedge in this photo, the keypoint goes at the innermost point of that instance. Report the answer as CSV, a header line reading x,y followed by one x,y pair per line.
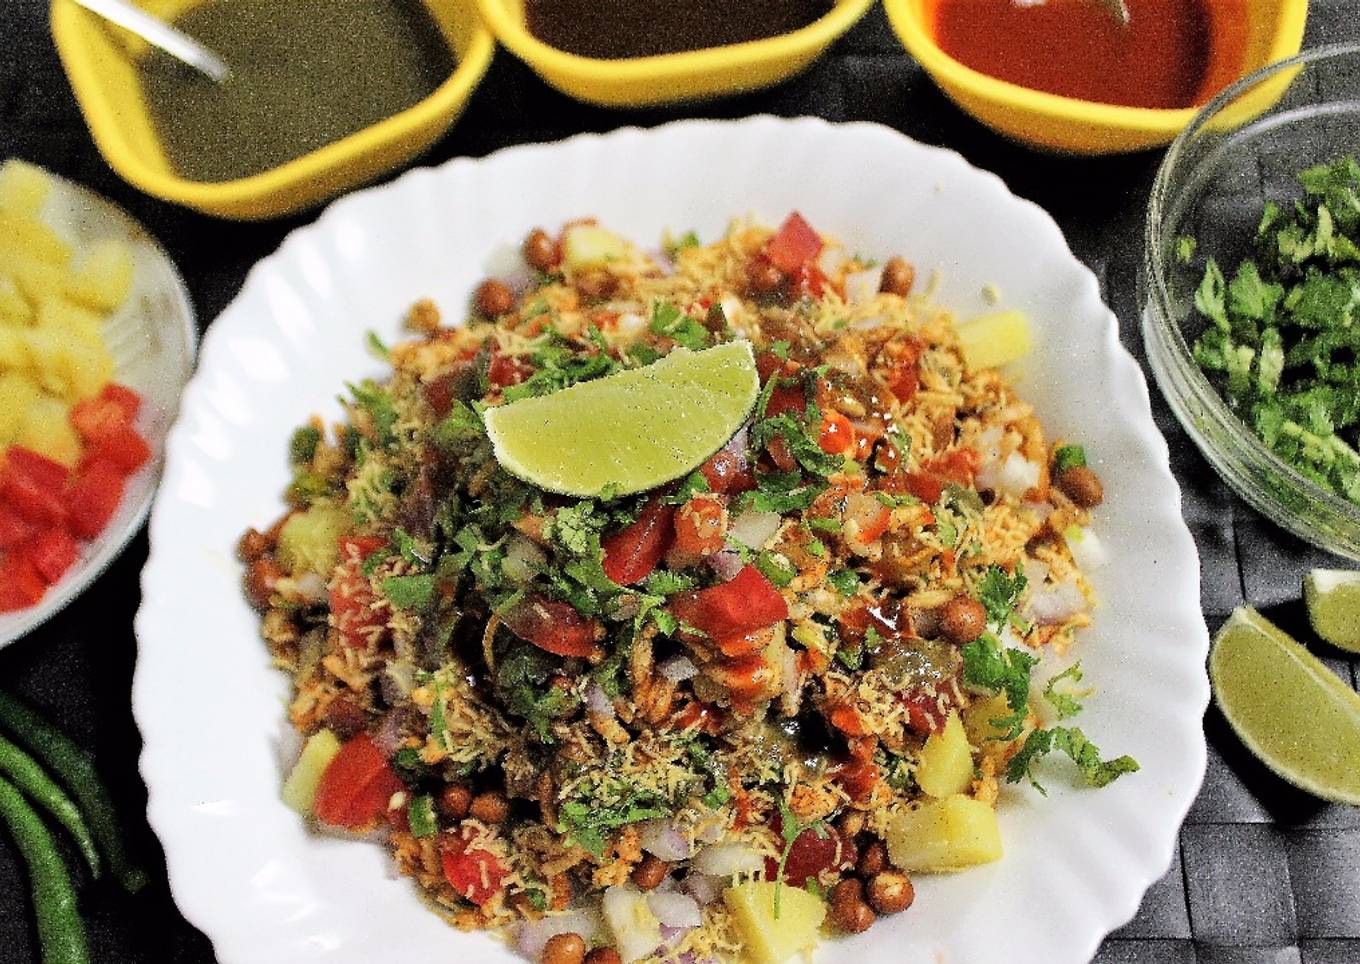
x,y
1333,598
630,431
1297,716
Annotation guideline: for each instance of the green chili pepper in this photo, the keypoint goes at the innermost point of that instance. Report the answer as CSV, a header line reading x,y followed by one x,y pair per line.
x,y
75,768
23,771
60,930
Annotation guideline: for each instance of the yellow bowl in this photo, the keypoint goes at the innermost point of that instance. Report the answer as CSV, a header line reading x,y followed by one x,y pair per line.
x,y
666,78
1274,31
100,63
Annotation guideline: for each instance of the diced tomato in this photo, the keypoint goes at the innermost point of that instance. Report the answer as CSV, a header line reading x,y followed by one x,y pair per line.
x,y
747,677
866,519
768,363
812,851
928,484
924,714
124,447
700,714
356,786
867,432
793,245
747,602
125,398
725,473
476,874
958,466
700,531
837,435
741,644
845,718
95,417
507,370
33,498
858,779
21,584
359,548
44,471
809,281
93,497
905,378
786,398
553,626
632,553
14,528
52,552
352,612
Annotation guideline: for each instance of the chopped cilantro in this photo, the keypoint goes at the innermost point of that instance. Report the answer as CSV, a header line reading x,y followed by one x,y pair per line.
x,y
775,567
844,581
1071,741
780,349
695,483
409,765
670,322
674,246
409,592
790,829
372,398
594,811
1066,704
1185,249
463,423
663,582
376,348
1068,457
825,525
420,816
302,446
998,591
781,492
851,657
989,666
558,363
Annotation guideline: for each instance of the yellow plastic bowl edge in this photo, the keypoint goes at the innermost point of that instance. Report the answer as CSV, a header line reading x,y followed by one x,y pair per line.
x,y
289,187
1065,123
670,77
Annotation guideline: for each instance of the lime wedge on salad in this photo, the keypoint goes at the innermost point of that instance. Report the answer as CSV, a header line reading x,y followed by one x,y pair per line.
x,y
630,431
1333,598
1297,716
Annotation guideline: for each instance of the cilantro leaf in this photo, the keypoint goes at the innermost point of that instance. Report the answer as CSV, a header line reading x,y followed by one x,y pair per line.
x,y
670,322
990,667
999,591
302,446
412,592
844,581
775,567
1071,741
1067,457
1064,703
372,398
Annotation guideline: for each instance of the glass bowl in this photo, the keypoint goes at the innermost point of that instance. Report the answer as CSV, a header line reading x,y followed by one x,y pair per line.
x,y
1244,148
152,339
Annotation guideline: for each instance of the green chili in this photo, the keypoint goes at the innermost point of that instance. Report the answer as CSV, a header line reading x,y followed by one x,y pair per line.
x,y
23,771
60,930
75,768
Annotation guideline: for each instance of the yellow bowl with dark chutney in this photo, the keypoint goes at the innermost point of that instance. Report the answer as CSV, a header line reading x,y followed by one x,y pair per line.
x,y
322,97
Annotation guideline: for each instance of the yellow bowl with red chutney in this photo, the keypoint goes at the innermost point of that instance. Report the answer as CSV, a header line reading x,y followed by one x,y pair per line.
x,y
1066,76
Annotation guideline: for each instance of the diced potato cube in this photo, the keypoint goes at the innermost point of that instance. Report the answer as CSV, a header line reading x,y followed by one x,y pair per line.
x,y
13,349
309,541
47,430
635,929
945,766
769,939
46,350
58,314
299,790
977,719
14,307
26,236
584,245
23,188
103,277
942,835
86,368
36,279
18,392
989,341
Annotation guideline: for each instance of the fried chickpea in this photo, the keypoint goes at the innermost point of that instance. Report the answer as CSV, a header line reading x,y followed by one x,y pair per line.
x,y
849,912
962,619
344,717
851,823
490,807
650,872
596,283
455,800
540,251
604,955
1082,486
890,892
252,545
763,278
494,298
569,948
260,578
873,860
898,276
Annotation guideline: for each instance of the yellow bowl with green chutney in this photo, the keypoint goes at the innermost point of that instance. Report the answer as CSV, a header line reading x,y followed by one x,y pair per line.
x,y
322,97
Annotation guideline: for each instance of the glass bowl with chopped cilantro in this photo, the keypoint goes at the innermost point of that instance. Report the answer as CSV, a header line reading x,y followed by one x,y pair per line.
x,y
1251,291
681,605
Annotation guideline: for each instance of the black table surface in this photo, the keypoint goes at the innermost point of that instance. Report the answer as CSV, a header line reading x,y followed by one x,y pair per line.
x,y
1264,874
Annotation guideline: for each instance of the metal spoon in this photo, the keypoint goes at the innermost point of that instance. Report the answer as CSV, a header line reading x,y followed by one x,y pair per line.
x,y
160,34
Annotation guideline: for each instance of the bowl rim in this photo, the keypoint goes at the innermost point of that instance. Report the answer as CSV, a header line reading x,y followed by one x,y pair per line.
x,y
903,15
471,65
511,31
1157,300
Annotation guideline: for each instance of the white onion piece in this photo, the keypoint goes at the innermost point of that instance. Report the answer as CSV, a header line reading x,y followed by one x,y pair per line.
x,y
534,935
1015,476
726,859
738,443
1036,572
726,564
732,308
989,444
663,839
754,529
674,910
1056,604
522,559
630,323
862,286
402,672
1040,509
310,586
704,888
598,703
636,930
788,669
677,669
831,258
1087,549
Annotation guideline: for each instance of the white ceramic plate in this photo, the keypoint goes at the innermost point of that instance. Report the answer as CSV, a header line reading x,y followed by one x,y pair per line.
x,y
243,867
151,338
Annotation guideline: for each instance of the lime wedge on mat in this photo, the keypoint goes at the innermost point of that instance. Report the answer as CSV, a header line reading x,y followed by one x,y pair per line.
x,y
633,430
1333,598
1296,715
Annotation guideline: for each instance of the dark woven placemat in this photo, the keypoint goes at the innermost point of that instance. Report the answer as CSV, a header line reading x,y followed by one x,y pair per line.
x,y
1263,874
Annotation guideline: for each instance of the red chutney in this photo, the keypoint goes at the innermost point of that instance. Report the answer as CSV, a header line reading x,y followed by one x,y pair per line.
x,y
1172,53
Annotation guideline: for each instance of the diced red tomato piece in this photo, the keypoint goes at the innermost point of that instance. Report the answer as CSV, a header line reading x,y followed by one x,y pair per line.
x,y
809,281
96,417
35,499
866,519
747,602
52,475
93,497
700,531
845,718
858,778
507,370
359,548
768,363
904,378
125,398
14,528
725,473
786,398
837,435
21,584
124,446
52,552
958,466
553,626
476,874
632,553
793,245
742,644
356,786
924,714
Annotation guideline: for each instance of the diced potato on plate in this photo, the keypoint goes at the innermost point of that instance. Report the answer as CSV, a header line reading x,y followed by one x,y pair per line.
x,y
635,929
584,245
945,766
23,188
103,277
24,235
14,307
299,790
941,835
977,719
47,430
989,341
36,279
18,392
769,939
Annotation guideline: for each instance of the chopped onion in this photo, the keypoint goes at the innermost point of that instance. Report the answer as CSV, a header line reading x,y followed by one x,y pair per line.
x,y
678,668
754,529
663,839
704,888
310,586
636,930
534,935
862,286
1015,476
630,323
400,676
1087,549
831,258
1036,572
522,559
1041,509
598,703
726,564
1056,604
726,859
732,308
737,444
674,910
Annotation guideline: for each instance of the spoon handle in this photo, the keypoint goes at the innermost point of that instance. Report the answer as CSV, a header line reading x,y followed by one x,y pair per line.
x,y
160,34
